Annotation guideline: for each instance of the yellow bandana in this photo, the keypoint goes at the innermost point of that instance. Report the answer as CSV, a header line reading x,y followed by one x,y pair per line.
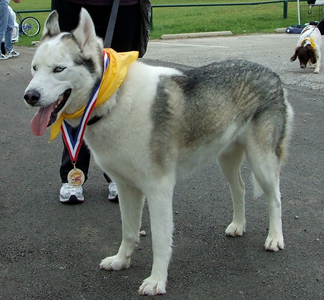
x,y
311,40
111,80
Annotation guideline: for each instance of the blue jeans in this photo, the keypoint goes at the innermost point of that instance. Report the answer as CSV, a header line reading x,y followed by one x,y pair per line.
x,y
6,25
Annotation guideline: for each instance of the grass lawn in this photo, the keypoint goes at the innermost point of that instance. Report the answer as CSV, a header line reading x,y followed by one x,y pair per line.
x,y
263,18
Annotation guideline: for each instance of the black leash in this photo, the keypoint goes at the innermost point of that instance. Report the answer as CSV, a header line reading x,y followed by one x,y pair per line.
x,y
111,24
107,42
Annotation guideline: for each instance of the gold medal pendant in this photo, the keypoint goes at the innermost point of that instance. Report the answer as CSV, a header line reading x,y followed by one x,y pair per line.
x,y
76,177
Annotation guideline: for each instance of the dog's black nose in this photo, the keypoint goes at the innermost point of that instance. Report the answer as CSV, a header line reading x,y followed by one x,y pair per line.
x,y
32,97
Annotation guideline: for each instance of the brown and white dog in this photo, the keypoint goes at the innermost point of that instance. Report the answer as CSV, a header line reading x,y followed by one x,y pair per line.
x,y
309,48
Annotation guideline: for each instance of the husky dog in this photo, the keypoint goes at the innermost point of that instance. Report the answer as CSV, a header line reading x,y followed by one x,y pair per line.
x,y
163,124
309,48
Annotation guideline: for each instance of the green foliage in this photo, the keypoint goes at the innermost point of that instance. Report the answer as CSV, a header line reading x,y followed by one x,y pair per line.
x,y
263,18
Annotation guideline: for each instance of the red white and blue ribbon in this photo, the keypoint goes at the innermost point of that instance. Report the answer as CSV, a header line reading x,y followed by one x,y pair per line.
x,y
74,144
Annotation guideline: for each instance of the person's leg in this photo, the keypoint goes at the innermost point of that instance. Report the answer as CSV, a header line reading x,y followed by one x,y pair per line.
x,y
3,17
82,163
68,20
68,14
8,33
4,12
69,193
127,25
10,52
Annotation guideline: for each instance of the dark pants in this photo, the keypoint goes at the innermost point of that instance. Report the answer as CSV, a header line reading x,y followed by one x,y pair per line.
x,y
126,36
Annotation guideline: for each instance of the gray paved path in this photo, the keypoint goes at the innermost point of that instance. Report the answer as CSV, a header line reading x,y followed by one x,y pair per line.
x,y
52,251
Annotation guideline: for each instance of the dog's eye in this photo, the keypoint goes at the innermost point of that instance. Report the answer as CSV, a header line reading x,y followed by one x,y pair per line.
x,y
58,69
34,68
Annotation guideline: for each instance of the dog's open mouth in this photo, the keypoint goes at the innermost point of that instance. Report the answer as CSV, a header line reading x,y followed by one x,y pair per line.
x,y
46,116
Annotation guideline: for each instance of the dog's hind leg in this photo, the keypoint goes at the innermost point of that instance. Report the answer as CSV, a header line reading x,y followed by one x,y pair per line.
x,y
131,201
265,166
159,199
230,163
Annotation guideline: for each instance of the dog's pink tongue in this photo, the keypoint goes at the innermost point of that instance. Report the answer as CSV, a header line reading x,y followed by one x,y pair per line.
x,y
40,121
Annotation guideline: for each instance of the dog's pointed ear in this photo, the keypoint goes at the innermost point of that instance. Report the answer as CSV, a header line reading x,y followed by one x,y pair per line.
x,y
85,33
51,26
293,58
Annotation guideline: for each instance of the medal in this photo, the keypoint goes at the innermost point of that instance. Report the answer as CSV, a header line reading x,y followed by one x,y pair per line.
x,y
75,177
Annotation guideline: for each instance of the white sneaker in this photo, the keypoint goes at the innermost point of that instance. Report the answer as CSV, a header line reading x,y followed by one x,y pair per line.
x,y
12,53
113,192
71,194
3,56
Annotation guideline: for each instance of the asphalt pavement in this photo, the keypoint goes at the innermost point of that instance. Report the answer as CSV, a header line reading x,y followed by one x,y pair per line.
x,y
49,250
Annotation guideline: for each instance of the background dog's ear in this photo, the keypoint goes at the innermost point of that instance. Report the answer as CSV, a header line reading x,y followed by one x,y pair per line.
x,y
293,58
51,27
85,33
312,54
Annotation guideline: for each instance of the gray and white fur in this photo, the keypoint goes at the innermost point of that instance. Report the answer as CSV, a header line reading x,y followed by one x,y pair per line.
x,y
164,124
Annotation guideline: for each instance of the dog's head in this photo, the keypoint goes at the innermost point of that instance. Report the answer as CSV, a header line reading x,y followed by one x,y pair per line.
x,y
65,69
305,54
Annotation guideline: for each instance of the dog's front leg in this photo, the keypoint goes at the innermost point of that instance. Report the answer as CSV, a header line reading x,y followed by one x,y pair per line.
x,y
318,61
160,207
131,201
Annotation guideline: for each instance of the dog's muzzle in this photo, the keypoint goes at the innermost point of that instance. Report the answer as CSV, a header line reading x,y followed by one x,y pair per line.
x,y
46,115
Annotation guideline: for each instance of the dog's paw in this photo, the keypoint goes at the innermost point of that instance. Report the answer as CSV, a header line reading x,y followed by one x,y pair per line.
x,y
152,286
235,229
316,71
274,244
114,263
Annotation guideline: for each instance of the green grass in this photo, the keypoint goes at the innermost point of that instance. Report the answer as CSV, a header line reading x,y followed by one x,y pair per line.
x,y
263,18
238,19
41,17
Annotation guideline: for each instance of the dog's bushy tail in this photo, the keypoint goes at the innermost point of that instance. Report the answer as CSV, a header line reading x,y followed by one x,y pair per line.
x,y
288,130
